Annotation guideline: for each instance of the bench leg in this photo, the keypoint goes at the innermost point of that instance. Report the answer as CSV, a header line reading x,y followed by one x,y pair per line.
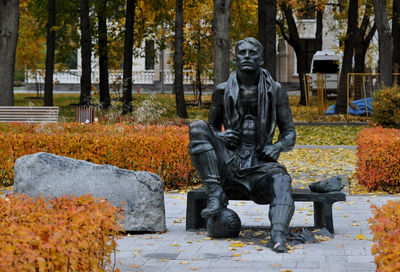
x,y
323,215
194,207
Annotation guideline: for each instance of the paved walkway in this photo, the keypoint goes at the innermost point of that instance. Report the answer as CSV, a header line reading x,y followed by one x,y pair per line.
x,y
180,250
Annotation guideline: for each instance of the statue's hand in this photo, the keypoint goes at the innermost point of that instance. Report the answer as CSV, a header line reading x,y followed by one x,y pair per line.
x,y
230,137
272,152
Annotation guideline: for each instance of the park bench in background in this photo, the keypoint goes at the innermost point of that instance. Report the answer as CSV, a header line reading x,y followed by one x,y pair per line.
x,y
197,201
28,114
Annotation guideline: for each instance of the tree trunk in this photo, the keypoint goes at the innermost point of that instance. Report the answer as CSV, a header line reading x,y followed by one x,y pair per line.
x,y
359,67
50,50
86,54
294,40
362,42
396,37
267,33
341,98
178,62
318,31
9,18
128,54
198,71
222,44
385,43
103,55
301,56
198,82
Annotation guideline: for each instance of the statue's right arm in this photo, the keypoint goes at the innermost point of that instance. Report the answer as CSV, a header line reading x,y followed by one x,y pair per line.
x,y
215,115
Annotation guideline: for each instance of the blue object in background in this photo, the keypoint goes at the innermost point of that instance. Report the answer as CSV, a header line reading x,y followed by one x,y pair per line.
x,y
360,104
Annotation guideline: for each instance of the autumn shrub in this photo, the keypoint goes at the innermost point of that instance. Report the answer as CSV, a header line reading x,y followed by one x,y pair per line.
x,y
385,225
378,153
60,234
387,107
158,149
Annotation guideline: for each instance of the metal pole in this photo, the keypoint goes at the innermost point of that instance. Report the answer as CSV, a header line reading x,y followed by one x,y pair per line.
x,y
365,95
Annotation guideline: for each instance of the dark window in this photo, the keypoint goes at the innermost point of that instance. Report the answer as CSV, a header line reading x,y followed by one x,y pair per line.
x,y
149,55
325,66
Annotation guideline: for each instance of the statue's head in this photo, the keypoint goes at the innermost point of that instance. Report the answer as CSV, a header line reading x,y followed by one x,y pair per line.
x,y
249,53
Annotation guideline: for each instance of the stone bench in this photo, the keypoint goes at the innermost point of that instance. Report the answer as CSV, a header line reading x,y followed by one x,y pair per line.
x,y
197,201
28,114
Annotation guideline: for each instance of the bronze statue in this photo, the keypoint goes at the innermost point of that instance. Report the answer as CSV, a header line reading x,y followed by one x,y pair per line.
x,y
242,158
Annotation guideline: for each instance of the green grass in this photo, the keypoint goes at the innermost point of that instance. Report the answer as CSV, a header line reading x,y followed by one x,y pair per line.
x,y
64,101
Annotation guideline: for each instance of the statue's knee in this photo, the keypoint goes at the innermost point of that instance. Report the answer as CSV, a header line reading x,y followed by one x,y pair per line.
x,y
199,134
198,129
282,184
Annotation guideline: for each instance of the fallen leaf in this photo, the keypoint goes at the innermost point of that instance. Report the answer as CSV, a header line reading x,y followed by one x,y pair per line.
x,y
236,255
175,245
360,237
134,265
321,238
184,262
237,244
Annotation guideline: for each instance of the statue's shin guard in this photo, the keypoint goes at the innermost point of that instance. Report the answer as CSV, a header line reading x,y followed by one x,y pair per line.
x,y
206,164
280,214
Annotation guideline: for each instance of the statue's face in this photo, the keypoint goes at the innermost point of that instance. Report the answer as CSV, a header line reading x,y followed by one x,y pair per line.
x,y
247,57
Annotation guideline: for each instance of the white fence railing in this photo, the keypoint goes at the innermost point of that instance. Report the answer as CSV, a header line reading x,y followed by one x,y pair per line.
x,y
139,77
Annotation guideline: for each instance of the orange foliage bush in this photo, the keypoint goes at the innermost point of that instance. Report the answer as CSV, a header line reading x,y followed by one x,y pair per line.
x,y
60,234
158,149
386,229
378,153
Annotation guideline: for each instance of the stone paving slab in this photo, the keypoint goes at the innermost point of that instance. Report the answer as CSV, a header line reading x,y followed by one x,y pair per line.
x,y
180,250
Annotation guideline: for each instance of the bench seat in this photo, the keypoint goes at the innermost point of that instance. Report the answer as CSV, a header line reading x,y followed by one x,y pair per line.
x,y
28,114
197,201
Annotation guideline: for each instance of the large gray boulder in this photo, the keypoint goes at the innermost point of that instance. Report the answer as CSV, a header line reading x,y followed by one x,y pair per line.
x,y
49,175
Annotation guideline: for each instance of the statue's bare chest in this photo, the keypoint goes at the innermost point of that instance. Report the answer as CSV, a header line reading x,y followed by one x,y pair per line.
x,y
249,100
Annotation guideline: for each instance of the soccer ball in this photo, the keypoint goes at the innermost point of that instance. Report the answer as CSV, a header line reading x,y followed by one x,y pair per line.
x,y
226,225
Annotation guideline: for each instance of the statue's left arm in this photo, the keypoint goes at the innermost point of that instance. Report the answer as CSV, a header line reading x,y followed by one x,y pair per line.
x,y
287,134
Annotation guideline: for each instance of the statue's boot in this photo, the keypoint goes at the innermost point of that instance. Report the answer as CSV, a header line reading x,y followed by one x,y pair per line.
x,y
217,200
206,166
280,214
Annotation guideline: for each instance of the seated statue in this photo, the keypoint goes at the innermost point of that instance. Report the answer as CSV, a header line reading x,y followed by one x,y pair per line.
x,y
242,157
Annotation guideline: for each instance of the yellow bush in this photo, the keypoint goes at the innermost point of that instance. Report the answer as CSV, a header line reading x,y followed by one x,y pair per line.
x,y
158,149
61,234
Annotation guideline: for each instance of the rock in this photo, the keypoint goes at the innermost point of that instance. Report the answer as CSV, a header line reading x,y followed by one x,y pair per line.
x,y
49,175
